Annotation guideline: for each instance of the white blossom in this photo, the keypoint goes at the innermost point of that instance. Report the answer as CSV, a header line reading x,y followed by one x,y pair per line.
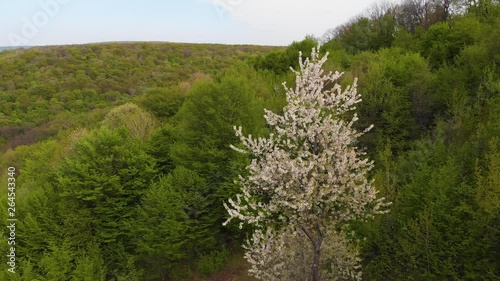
x,y
306,181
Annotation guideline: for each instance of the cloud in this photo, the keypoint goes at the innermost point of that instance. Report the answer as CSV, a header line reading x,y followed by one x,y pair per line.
x,y
285,20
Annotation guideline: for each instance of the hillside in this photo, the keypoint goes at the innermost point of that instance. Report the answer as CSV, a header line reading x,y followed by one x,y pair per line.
x,y
46,89
9,48
117,157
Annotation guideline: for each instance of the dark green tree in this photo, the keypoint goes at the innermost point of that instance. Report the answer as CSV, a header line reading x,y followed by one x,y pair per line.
x,y
100,186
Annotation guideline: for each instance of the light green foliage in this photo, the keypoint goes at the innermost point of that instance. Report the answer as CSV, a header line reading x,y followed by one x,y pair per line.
x,y
38,165
163,102
40,86
385,176
161,229
56,263
84,216
172,224
212,262
280,61
106,178
484,240
364,34
488,191
204,125
437,228
432,231
159,147
98,204
140,123
202,132
444,41
395,87
90,266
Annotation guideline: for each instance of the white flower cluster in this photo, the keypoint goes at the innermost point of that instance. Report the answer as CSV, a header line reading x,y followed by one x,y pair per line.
x,y
306,176
286,255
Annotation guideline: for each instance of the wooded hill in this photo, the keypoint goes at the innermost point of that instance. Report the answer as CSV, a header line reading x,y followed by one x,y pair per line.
x,y
47,89
123,162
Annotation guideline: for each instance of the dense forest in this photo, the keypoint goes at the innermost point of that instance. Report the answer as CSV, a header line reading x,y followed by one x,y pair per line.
x,y
122,160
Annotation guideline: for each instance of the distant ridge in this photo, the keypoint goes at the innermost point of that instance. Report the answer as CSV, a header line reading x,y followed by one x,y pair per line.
x,y
2,48
12,48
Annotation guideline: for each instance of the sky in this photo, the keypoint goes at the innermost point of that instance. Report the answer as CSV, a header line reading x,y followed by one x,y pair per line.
x,y
259,22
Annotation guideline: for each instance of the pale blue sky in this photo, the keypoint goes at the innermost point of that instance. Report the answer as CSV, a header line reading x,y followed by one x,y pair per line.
x,y
262,22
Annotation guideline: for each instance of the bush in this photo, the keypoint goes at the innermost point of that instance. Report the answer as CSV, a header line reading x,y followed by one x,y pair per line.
x,y
212,262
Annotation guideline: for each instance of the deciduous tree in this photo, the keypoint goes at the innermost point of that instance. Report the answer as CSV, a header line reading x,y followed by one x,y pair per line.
x,y
306,182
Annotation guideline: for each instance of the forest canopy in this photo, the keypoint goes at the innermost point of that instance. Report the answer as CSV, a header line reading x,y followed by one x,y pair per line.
x,y
123,162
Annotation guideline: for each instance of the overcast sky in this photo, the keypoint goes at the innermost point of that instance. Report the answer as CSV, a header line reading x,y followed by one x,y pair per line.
x,y
262,22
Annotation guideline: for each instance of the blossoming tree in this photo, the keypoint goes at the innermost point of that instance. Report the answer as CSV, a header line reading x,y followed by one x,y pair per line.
x,y
305,182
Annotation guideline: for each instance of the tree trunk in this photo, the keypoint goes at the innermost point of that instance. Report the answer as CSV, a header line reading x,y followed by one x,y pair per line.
x,y
315,266
316,242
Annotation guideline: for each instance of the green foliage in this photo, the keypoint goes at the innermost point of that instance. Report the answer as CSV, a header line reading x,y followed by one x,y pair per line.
x,y
280,61
105,178
204,125
140,123
163,102
141,200
433,230
399,101
84,215
159,147
90,266
57,264
212,262
444,41
434,105
364,34
161,229
173,223
41,85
